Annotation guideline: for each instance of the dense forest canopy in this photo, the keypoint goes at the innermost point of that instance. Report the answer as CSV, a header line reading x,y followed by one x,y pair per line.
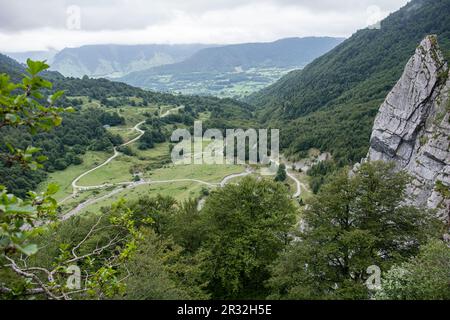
x,y
248,240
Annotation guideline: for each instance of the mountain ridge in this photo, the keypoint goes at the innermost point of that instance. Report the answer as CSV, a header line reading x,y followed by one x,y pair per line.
x,y
111,60
331,103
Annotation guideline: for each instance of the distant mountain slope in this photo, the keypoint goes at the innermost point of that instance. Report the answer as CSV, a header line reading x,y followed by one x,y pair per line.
x,y
332,103
118,60
412,128
22,57
211,70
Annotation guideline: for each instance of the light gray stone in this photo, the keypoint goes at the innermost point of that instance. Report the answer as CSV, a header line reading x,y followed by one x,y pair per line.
x,y
412,128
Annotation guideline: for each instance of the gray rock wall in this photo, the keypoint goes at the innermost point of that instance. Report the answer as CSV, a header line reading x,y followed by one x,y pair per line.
x,y
412,127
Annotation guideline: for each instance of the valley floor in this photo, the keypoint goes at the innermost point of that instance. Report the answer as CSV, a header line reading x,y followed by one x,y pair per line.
x,y
103,179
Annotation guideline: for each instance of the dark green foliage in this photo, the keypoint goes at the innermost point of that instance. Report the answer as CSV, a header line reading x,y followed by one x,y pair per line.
x,y
159,209
115,139
11,67
184,118
149,139
231,241
187,227
111,119
101,89
159,271
126,150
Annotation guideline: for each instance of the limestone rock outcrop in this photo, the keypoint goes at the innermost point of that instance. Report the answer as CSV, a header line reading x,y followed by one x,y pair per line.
x,y
412,128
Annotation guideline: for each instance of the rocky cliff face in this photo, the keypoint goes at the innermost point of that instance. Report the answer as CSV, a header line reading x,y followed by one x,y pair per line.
x,y
412,127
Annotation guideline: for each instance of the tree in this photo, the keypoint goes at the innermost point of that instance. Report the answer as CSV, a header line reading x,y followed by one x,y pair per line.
x,y
424,277
150,137
356,221
281,173
246,227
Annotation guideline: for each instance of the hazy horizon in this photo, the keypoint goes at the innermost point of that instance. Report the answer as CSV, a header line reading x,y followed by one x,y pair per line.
x,y
60,24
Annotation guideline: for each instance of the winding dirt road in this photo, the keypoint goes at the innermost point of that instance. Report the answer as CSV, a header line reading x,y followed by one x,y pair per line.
x,y
131,185
298,184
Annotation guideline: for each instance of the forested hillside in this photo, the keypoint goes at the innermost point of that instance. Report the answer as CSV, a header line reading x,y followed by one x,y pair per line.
x,y
233,70
332,103
84,130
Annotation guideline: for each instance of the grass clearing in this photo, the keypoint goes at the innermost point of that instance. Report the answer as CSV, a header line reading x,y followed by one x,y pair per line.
x,y
64,178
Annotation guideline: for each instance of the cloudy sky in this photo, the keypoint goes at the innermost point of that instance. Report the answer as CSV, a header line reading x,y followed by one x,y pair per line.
x,y
39,25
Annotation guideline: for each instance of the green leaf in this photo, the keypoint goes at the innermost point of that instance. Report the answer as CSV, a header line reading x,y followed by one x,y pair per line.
x,y
14,208
41,159
45,83
10,147
37,95
31,150
34,67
